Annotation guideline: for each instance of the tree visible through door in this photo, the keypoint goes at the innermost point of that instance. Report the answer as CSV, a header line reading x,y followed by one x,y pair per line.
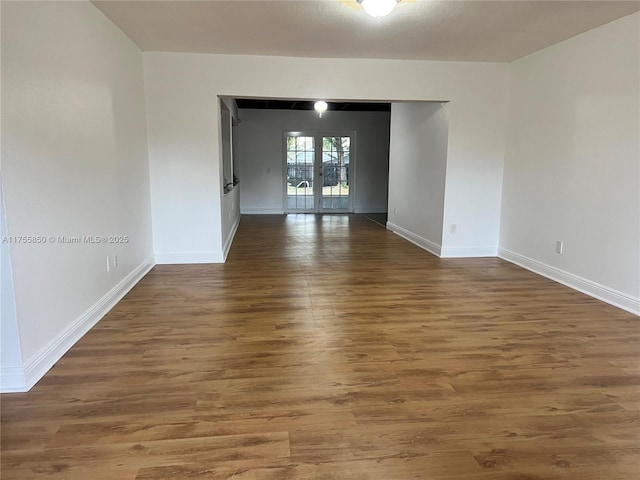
x,y
318,173
336,157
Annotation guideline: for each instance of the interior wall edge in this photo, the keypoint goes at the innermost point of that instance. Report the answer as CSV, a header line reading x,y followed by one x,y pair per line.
x,y
229,240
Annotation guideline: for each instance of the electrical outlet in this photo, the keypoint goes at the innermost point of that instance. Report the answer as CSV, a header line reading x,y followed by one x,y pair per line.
x,y
395,211
108,265
453,229
559,247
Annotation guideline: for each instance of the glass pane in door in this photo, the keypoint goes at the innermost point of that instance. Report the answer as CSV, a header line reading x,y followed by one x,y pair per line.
x,y
336,156
300,173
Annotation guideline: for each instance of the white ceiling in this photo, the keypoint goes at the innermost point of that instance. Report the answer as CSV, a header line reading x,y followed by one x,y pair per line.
x,y
499,31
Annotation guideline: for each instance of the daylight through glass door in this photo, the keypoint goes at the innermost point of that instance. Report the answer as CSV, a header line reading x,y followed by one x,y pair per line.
x,y
319,172
336,157
300,173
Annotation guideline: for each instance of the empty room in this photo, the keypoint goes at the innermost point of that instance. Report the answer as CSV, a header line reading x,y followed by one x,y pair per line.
x,y
320,239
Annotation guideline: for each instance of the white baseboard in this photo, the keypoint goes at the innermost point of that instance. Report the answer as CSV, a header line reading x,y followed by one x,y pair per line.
x,y
427,245
229,240
280,211
262,211
12,379
370,210
188,257
468,252
609,295
16,379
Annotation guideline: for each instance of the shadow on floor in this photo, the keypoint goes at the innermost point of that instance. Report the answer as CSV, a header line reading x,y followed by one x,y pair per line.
x,y
379,218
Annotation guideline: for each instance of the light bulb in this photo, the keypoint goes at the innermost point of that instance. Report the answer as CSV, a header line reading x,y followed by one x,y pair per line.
x,y
320,106
378,8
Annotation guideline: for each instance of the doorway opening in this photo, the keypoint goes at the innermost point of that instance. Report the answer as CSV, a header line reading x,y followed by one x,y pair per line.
x,y
276,179
318,172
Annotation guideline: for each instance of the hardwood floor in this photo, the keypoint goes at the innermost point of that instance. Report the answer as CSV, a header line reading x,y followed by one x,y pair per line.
x,y
329,348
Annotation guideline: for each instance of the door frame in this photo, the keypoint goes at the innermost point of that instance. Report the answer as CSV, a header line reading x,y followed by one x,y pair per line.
x,y
317,186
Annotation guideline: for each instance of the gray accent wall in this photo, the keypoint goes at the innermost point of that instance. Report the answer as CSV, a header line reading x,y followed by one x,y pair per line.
x,y
260,155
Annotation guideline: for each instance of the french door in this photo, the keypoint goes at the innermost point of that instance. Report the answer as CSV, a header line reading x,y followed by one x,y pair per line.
x,y
319,171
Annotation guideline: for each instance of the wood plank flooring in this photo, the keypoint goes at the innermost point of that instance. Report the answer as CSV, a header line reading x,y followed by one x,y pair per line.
x,y
329,348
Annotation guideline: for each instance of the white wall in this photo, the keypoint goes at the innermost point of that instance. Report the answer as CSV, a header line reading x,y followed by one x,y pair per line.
x,y
572,168
74,162
10,356
417,168
260,137
182,94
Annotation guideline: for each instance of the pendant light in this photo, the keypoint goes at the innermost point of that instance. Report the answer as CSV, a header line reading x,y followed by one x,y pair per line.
x,y
320,106
378,8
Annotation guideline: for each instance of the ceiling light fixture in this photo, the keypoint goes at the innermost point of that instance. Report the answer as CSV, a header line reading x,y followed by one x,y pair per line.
x,y
320,106
378,8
